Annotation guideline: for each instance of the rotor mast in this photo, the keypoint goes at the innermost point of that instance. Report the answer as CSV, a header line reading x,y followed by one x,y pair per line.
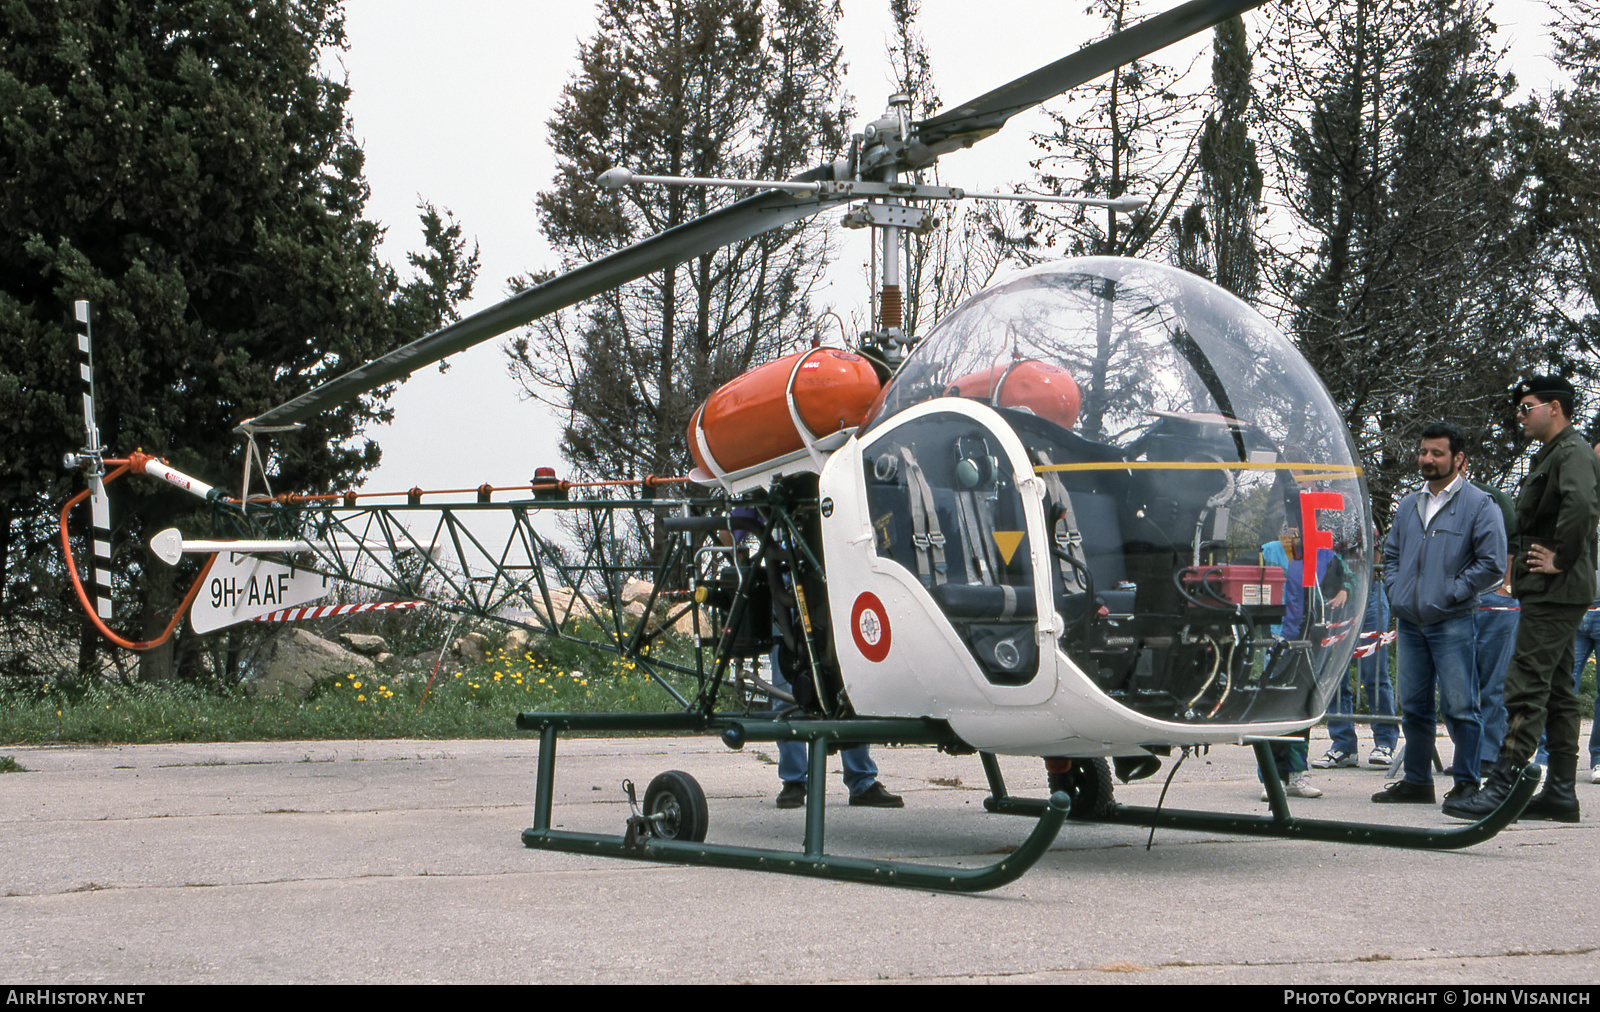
x,y
890,306
883,145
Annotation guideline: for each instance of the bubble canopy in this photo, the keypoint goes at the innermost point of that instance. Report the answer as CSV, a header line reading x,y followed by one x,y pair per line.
x,y
1178,433
1137,338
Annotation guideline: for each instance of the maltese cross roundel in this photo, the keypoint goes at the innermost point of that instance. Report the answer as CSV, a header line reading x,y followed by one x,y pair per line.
x,y
869,624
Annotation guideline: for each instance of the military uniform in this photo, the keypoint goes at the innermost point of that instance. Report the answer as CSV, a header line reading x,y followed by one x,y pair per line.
x,y
1558,507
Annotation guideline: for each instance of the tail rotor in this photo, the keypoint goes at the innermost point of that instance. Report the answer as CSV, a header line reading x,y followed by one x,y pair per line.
x,y
91,460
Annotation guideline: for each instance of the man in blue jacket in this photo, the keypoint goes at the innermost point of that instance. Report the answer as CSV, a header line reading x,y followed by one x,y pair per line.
x,y
1447,543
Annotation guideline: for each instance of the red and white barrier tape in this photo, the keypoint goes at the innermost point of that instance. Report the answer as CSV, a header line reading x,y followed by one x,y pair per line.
x,y
1367,649
323,611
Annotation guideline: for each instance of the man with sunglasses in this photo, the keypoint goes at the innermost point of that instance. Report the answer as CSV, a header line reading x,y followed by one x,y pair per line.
x,y
1553,577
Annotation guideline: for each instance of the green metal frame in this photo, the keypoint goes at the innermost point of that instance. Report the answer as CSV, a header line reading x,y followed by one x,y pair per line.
x,y
1281,823
477,573
813,859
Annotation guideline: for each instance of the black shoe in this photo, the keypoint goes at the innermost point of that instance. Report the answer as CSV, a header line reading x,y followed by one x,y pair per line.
x,y
1461,792
793,795
1496,788
1406,793
1558,802
876,797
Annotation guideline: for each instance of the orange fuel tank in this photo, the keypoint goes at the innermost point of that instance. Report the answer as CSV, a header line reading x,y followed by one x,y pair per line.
x,y
1046,390
781,407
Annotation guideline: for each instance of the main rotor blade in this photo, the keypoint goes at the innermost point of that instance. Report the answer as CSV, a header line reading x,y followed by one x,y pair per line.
x,y
734,223
966,124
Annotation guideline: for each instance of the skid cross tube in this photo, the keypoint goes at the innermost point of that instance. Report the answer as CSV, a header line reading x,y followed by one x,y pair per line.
x,y
813,859
1281,823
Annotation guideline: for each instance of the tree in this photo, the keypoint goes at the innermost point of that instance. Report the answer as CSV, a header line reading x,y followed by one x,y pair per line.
x,y
1135,136
708,88
1128,132
188,169
1413,297
1216,236
1567,200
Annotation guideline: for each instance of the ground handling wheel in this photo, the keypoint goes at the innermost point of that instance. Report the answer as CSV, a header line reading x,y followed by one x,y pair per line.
x,y
679,802
1088,783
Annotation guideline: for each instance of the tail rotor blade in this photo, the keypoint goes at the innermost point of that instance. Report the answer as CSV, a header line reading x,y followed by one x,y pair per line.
x,y
94,470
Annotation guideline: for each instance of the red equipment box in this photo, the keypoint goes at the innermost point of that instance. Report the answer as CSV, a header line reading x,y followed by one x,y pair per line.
x,y
1251,586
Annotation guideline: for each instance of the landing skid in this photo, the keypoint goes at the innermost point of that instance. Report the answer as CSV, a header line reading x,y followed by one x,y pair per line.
x,y
647,835
1281,823
638,843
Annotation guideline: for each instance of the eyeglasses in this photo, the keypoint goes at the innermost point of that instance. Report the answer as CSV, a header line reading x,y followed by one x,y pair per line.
x,y
1526,407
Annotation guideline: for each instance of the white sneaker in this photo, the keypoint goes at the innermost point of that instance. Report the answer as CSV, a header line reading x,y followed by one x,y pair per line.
x,y
1381,756
1594,775
1335,759
1298,788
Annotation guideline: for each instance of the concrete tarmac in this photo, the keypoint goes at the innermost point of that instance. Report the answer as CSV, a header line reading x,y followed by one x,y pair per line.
x,y
401,862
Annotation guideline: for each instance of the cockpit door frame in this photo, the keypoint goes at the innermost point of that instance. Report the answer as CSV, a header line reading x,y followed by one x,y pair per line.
x,y
1031,490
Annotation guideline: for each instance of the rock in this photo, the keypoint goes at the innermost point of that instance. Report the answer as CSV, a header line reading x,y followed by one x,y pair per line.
x,y
634,610
361,643
300,660
637,590
569,606
516,642
473,648
684,626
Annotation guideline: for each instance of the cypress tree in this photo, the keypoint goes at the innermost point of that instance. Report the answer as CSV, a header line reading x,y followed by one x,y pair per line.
x,y
188,168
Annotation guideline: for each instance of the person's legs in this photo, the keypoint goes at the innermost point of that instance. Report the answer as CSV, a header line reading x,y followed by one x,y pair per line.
x,y
1562,715
1379,692
1456,672
792,762
1416,702
1538,684
1375,672
1586,644
1594,739
1591,627
1582,644
1558,801
860,772
1546,637
1341,733
1497,638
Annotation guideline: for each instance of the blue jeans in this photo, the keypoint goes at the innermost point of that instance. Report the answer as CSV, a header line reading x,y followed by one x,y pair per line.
x,y
860,772
1439,657
1588,642
1497,640
1374,674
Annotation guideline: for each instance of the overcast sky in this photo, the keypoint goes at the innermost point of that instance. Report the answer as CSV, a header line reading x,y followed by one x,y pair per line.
x,y
450,103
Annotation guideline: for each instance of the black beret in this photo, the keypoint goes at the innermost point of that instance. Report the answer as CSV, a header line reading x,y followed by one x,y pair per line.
x,y
1542,387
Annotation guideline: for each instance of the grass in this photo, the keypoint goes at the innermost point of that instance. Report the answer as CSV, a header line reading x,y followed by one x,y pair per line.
x,y
9,764
479,701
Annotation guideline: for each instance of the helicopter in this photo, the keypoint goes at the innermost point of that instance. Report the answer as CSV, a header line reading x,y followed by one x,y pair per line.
x,y
1034,530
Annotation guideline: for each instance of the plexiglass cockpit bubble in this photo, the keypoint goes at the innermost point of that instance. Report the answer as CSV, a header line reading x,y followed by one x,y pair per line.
x,y
1190,460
